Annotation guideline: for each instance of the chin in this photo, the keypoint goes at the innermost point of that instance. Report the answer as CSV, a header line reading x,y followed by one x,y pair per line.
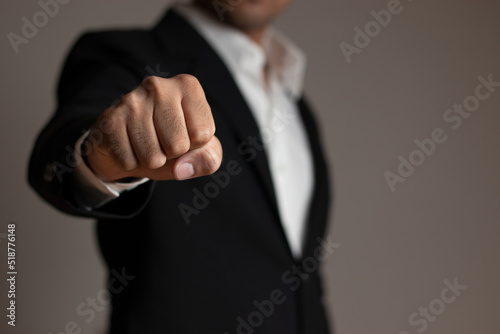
x,y
255,14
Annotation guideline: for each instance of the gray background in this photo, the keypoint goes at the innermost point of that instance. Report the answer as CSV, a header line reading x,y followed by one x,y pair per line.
x,y
396,248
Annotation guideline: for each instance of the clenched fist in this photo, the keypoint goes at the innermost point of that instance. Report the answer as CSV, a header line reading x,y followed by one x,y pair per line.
x,y
162,130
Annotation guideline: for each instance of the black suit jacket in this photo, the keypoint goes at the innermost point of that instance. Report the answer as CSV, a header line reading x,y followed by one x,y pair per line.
x,y
213,274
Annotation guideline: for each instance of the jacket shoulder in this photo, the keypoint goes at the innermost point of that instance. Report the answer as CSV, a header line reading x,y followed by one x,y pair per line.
x,y
95,52
115,45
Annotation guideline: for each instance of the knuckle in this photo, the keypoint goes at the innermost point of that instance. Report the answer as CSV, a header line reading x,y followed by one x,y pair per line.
x,y
128,165
177,146
154,160
152,84
201,136
107,123
188,81
132,101
212,162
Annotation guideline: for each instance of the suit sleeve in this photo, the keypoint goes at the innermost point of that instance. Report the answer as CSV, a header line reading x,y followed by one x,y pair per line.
x,y
97,72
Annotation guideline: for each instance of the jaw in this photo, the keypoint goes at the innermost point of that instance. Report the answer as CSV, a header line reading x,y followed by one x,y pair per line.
x,y
249,16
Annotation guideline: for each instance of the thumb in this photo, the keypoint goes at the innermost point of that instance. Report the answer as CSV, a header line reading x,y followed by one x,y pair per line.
x,y
202,161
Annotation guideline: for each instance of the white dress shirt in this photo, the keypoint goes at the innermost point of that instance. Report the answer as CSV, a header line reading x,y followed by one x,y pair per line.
x,y
273,104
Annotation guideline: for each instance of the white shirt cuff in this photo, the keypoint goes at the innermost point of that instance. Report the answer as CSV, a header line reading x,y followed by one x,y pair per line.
x,y
92,192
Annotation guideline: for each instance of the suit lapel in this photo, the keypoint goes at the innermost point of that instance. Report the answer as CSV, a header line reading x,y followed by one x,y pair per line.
x,y
181,42
222,92
183,45
320,201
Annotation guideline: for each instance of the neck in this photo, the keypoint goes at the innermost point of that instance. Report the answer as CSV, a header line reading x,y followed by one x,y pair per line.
x,y
255,35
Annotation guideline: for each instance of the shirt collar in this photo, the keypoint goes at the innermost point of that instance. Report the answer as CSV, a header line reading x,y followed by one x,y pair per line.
x,y
242,55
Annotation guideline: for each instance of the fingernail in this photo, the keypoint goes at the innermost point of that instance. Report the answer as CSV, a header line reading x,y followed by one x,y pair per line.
x,y
185,171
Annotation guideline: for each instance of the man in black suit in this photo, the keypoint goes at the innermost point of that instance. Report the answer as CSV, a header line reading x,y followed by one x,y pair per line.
x,y
192,145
